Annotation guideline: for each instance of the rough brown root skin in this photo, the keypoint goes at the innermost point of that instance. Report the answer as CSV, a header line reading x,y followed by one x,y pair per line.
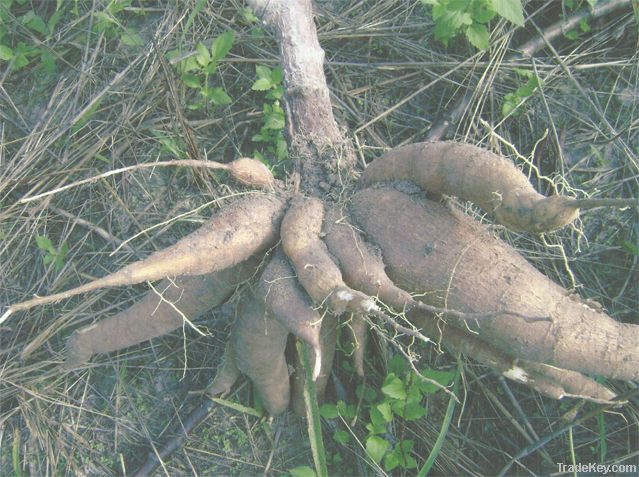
x,y
315,269
455,263
154,315
289,304
361,266
259,343
238,231
485,178
251,172
359,330
553,382
328,343
227,374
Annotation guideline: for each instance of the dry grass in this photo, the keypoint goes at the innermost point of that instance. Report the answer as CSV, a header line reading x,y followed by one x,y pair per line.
x,y
389,81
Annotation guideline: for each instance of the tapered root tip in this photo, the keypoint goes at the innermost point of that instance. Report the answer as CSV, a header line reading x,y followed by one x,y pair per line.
x,y
318,363
5,315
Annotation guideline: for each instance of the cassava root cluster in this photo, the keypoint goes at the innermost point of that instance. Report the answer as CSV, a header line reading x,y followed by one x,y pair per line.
x,y
442,275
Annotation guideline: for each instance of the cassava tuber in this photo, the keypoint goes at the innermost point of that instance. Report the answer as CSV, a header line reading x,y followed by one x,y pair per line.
x,y
487,179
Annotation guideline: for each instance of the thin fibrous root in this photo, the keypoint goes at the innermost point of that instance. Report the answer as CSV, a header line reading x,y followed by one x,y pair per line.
x,y
248,226
259,343
247,171
289,304
487,179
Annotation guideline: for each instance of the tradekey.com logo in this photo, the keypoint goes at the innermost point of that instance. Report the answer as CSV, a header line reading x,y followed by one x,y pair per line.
x,y
598,469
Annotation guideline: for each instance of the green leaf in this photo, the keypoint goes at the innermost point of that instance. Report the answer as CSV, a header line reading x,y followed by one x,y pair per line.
x,y
394,387
329,411
385,411
263,72
367,393
191,81
54,20
376,447
131,38
219,97
511,10
47,60
281,150
6,53
413,411
302,471
632,248
397,365
44,243
222,45
262,84
442,377
274,121
277,75
34,22
478,36
391,461
202,56
341,437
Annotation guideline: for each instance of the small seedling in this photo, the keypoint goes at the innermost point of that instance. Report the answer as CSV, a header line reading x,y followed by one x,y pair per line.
x,y
271,133
51,254
471,17
195,71
512,101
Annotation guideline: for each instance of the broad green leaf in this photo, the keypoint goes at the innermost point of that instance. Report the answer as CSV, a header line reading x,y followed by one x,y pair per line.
x,y
329,411
191,81
47,60
222,45
366,392
281,150
131,38
478,36
630,247
277,75
511,10
394,387
376,447
6,53
397,365
442,377
202,56
341,437
263,72
219,97
262,84
385,411
302,471
391,461
274,121
44,243
413,411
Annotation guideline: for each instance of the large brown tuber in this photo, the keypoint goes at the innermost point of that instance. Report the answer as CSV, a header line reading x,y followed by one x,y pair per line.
x,y
451,261
485,178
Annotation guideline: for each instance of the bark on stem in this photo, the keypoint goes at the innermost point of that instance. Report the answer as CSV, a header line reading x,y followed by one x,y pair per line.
x,y
316,142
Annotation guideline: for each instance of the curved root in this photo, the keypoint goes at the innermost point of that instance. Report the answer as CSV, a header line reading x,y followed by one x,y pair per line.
x,y
259,343
287,303
184,298
455,264
485,178
244,228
